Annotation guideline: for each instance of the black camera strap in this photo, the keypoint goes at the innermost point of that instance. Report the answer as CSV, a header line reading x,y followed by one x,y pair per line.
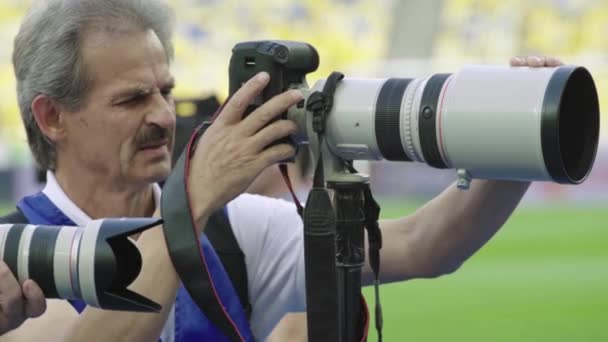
x,y
184,248
324,292
320,234
285,173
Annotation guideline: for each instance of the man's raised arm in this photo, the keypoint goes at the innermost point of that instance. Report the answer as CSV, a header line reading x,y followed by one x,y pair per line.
x,y
449,229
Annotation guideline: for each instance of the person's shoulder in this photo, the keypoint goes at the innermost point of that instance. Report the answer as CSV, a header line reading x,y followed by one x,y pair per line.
x,y
260,204
14,216
255,213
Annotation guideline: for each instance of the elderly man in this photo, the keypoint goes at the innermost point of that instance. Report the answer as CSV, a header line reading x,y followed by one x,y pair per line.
x,y
94,88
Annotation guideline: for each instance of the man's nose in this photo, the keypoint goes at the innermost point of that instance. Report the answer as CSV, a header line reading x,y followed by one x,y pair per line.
x,y
162,112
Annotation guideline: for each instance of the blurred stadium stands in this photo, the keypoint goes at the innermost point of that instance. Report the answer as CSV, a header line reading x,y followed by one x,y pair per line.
x,y
361,38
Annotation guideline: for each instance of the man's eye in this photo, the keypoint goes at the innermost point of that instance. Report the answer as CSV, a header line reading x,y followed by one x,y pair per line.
x,y
167,92
132,100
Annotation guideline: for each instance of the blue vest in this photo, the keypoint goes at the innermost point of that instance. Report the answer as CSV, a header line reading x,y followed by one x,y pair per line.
x,y
190,323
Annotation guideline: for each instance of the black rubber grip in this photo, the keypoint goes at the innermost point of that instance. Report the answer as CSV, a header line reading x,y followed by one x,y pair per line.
x,y
427,120
388,110
11,247
42,257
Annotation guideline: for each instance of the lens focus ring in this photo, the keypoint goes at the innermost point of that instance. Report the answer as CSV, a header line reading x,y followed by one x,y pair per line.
x,y
409,120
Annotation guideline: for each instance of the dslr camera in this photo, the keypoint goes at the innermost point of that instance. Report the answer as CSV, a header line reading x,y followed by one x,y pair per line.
x,y
490,122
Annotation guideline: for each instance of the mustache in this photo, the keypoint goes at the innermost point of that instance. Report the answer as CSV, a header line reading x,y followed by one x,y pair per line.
x,y
152,135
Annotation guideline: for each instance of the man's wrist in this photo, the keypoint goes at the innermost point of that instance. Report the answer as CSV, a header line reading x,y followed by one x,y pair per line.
x,y
502,183
200,211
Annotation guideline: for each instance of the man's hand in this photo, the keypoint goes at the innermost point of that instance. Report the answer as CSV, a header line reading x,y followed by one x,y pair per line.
x,y
535,61
18,303
235,150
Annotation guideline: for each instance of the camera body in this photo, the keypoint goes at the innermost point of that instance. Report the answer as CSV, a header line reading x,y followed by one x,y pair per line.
x,y
286,62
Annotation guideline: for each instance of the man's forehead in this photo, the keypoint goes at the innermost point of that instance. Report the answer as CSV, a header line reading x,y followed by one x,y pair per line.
x,y
134,60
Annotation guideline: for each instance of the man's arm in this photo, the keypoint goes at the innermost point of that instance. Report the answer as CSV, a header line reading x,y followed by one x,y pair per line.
x,y
445,232
157,281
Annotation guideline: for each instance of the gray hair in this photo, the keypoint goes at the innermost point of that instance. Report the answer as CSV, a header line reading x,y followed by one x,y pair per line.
x,y
47,53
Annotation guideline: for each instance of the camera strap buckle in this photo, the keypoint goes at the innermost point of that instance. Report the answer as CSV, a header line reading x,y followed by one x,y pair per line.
x,y
321,102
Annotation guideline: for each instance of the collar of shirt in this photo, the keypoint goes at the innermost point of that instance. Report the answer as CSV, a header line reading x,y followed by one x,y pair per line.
x,y
55,193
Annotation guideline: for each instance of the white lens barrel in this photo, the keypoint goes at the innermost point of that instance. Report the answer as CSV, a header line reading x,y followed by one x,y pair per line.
x,y
64,265
532,124
24,253
490,122
47,254
351,125
520,123
86,262
95,263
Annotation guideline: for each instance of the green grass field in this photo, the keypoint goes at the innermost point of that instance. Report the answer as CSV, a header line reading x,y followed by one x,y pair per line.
x,y
544,277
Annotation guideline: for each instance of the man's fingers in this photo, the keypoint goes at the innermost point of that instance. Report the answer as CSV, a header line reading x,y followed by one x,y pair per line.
x,y
233,110
8,283
275,154
35,303
5,324
268,111
517,61
11,300
553,62
271,133
535,61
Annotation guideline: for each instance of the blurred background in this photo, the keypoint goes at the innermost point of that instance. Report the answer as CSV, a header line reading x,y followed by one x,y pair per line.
x,y
544,277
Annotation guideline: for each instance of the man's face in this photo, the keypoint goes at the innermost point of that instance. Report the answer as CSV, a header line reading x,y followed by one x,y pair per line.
x,y
125,128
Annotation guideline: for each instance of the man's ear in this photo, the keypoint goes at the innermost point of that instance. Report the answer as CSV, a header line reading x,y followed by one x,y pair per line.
x,y
48,116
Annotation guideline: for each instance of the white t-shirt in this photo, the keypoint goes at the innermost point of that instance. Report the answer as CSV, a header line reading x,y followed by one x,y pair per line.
x,y
269,232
